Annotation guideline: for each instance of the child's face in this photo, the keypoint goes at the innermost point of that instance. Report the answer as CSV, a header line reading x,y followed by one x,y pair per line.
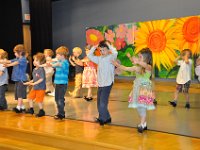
x,y
17,54
141,58
36,63
186,55
76,54
46,54
104,51
60,57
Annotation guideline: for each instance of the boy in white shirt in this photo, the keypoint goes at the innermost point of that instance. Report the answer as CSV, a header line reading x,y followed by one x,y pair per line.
x,y
183,78
105,78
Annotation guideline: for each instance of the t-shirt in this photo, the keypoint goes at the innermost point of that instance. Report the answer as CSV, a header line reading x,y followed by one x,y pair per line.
x,y
185,72
61,74
19,71
39,73
4,77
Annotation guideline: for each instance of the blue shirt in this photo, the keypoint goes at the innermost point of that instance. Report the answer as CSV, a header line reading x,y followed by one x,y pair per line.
x,y
19,71
61,74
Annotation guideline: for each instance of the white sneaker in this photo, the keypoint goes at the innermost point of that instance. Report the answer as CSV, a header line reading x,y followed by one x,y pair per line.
x,y
51,94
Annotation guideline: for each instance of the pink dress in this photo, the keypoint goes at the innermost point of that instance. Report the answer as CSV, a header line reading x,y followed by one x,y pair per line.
x,y
89,75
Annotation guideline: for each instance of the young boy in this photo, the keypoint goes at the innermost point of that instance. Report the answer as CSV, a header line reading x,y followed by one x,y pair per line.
x,y
75,61
61,79
183,78
39,85
3,80
19,76
105,78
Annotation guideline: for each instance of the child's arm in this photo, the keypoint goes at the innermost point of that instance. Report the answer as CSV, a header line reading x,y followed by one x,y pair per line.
x,y
37,82
91,55
1,73
142,64
132,69
112,49
11,64
176,60
71,62
28,83
77,61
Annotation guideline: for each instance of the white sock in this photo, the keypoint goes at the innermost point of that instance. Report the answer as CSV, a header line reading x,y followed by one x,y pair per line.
x,y
22,107
144,124
18,107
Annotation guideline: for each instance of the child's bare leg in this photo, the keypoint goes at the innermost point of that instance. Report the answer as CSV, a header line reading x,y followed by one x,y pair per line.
x,y
30,103
176,95
89,92
40,105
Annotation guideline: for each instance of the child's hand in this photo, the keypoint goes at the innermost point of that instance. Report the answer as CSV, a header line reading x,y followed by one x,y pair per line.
x,y
5,65
26,83
115,63
128,55
135,60
48,64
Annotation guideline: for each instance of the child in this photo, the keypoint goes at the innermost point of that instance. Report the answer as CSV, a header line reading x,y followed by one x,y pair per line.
x,y
49,72
75,61
38,91
61,79
183,78
142,93
3,80
19,76
89,76
197,68
105,78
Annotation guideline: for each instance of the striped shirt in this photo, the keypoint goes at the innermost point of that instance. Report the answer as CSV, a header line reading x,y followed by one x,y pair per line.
x,y
61,74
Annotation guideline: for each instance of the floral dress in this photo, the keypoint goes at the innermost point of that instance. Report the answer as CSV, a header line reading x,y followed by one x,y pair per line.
x,y
89,78
142,95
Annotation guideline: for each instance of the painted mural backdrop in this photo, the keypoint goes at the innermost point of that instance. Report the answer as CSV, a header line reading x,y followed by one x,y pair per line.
x,y
166,38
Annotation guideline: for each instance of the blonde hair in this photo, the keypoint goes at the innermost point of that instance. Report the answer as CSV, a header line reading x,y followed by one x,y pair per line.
x,y
77,49
40,57
62,50
19,48
3,54
49,52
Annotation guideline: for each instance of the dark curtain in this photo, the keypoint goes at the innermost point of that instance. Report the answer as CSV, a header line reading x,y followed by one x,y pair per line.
x,y
41,25
11,32
11,29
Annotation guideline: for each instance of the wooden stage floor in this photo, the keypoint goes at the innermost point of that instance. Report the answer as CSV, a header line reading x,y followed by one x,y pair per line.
x,y
164,119
23,131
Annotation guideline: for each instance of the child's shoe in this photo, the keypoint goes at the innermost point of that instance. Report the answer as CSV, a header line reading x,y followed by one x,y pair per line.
x,y
58,116
30,111
41,113
173,103
140,129
187,105
15,109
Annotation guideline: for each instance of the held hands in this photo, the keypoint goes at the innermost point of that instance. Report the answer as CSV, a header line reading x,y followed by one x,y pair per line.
x,y
135,60
28,83
115,63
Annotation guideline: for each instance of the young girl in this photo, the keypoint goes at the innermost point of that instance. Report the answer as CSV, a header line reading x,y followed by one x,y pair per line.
x,y
142,96
49,72
78,64
39,85
3,80
19,76
197,68
183,78
89,76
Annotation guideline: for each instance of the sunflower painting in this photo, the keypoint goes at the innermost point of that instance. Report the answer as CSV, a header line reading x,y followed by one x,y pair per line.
x,y
166,38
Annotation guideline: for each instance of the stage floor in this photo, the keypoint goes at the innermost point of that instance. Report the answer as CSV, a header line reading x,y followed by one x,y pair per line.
x,y
164,119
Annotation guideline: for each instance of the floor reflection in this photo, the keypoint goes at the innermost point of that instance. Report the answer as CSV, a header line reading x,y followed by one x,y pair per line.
x,y
165,118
